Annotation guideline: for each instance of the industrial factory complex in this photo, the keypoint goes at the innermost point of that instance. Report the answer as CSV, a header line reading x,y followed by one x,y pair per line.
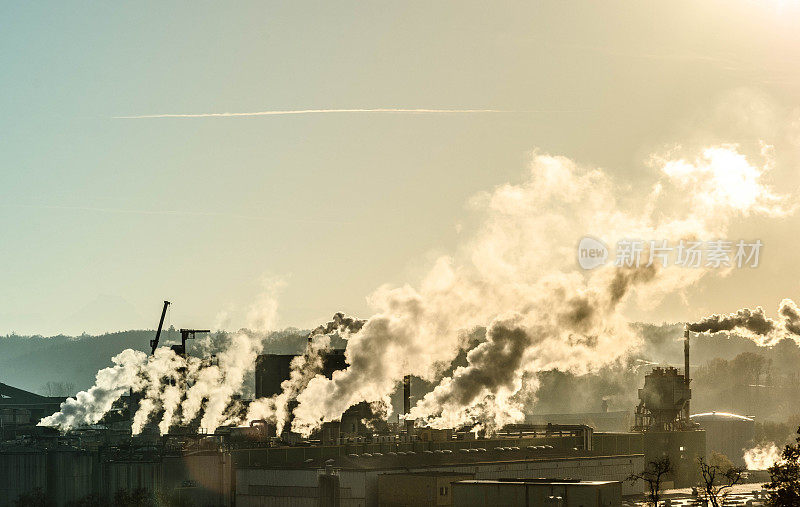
x,y
355,462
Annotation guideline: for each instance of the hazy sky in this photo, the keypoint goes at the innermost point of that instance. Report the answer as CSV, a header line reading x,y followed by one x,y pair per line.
x,y
102,218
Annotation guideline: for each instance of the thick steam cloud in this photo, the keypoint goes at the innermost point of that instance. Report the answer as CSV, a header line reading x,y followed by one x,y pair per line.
x,y
762,457
111,383
303,368
174,387
517,278
755,324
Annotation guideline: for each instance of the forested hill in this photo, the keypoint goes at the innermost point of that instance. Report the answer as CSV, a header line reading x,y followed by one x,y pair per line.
x,y
729,373
30,362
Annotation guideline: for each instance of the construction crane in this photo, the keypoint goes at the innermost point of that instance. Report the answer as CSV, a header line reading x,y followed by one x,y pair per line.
x,y
185,335
154,343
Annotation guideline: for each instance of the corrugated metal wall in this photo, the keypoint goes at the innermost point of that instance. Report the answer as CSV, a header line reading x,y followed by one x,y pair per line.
x,y
62,475
256,487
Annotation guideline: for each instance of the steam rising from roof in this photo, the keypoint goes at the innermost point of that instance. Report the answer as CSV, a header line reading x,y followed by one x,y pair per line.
x,y
303,368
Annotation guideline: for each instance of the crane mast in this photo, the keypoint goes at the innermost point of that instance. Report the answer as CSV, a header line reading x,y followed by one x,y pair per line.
x,y
154,342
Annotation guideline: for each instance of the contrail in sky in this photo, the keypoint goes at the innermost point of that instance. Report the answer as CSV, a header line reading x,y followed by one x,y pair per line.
x,y
330,111
174,213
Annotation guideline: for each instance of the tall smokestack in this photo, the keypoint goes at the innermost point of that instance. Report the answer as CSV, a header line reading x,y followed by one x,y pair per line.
x,y
686,354
686,365
407,403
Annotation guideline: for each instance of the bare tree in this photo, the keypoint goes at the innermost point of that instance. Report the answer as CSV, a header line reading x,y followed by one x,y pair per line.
x,y
785,477
653,475
59,389
718,476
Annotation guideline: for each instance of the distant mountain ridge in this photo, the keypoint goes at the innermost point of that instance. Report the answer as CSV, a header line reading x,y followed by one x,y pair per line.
x,y
30,362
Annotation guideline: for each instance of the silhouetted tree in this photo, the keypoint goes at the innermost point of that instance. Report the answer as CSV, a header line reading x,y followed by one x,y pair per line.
x,y
90,500
653,475
35,498
58,389
136,498
718,476
785,477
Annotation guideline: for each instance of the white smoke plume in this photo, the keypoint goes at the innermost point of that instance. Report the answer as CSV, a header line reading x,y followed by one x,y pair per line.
x,y
170,401
722,177
762,456
754,324
791,316
214,386
518,278
234,363
341,324
303,368
162,380
88,407
162,370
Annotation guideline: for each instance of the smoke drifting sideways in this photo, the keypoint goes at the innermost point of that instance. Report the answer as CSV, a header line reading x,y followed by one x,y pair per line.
x,y
178,388
517,277
754,324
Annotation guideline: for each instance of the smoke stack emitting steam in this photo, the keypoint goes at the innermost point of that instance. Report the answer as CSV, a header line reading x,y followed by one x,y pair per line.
x,y
754,324
686,379
516,278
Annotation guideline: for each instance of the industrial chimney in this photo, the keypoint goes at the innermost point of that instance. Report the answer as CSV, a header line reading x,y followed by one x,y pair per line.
x,y
407,404
686,354
686,365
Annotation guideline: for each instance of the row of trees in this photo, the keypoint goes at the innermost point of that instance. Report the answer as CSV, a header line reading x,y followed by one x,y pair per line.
x,y
122,498
718,476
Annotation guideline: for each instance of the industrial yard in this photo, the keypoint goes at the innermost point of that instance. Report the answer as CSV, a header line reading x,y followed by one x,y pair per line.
x,y
400,253
355,461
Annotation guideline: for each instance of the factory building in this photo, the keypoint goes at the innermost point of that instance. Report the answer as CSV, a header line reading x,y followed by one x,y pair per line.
x,y
356,462
545,492
66,474
360,482
662,417
19,407
423,489
62,473
728,434
272,369
620,420
358,472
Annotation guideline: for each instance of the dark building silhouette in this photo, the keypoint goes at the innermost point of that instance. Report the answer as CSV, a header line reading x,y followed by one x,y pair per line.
x,y
272,369
18,407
